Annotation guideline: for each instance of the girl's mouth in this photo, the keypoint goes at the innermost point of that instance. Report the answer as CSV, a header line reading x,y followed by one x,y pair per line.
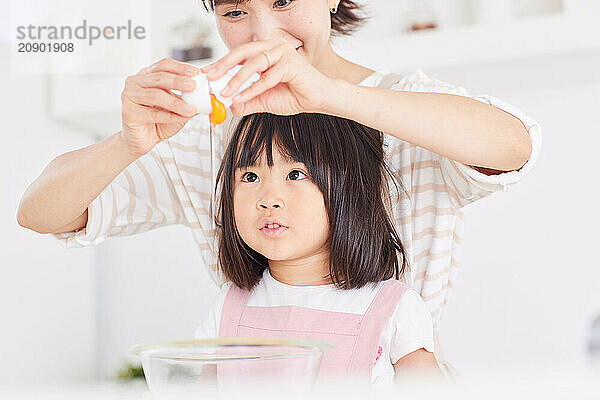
x,y
273,232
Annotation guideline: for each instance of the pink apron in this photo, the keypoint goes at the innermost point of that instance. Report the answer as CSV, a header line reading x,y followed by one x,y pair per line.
x,y
355,338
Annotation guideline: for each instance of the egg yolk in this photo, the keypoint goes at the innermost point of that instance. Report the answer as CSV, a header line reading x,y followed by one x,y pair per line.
x,y
218,114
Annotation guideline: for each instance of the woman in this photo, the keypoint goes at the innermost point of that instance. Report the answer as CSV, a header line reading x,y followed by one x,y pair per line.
x,y
447,148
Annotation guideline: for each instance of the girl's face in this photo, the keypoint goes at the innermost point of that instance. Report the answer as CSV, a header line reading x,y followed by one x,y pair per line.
x,y
305,24
283,193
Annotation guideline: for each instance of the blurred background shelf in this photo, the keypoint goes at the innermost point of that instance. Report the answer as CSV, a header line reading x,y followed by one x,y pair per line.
x,y
554,35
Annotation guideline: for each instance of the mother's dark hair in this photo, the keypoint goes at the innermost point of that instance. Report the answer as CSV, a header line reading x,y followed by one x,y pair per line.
x,y
345,160
348,18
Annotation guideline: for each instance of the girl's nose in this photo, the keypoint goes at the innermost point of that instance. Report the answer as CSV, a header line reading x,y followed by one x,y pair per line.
x,y
269,203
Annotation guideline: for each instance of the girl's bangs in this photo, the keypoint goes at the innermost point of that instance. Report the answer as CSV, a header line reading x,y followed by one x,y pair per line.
x,y
259,134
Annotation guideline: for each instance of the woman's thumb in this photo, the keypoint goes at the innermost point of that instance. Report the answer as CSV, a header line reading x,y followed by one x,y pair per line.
x,y
252,106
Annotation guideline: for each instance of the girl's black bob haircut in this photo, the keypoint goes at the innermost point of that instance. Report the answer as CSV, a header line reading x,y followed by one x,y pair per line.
x,y
348,18
345,160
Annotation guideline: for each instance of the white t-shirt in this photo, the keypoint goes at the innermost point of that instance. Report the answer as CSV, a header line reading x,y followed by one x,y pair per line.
x,y
410,327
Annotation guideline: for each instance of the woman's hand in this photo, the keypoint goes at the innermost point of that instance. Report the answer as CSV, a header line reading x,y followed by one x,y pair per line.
x,y
152,113
290,85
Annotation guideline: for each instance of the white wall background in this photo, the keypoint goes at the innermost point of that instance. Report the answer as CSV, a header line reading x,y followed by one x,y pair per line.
x,y
530,281
46,293
526,293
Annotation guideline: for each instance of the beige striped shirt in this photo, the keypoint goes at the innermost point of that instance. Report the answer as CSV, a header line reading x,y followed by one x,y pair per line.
x,y
171,185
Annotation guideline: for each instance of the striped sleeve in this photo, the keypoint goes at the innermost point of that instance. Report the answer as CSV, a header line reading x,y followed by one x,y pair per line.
x,y
139,199
464,183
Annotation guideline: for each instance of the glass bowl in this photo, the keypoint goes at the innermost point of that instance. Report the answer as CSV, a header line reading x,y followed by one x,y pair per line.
x,y
194,366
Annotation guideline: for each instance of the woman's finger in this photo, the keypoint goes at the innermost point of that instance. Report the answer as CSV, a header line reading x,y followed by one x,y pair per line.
x,y
173,66
167,81
252,106
153,97
269,79
159,116
144,115
258,63
238,56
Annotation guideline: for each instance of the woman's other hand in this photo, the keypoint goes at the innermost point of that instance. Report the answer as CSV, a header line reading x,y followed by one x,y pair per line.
x,y
289,85
152,113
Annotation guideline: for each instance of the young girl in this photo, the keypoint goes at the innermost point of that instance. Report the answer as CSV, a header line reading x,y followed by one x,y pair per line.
x,y
449,148
309,248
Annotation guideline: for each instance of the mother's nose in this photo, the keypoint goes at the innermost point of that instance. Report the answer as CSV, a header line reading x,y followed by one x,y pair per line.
x,y
265,26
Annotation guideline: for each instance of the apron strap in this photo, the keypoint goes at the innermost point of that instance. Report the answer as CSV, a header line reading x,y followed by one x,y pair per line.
x,y
374,321
235,301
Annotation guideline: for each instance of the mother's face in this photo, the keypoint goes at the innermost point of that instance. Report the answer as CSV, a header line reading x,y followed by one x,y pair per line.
x,y
305,24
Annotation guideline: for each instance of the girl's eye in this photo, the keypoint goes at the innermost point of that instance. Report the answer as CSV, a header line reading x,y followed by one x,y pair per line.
x,y
294,175
251,175
283,3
